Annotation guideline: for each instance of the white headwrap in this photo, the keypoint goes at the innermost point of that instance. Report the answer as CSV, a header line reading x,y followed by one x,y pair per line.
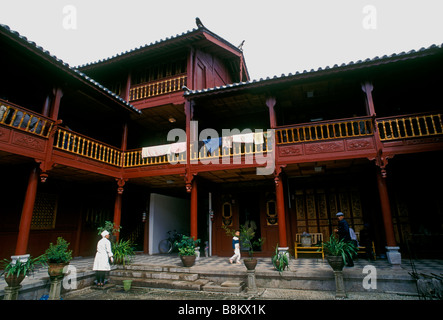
x,y
104,233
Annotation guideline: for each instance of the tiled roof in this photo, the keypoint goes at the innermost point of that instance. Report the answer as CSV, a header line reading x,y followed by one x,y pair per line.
x,y
66,68
320,71
152,45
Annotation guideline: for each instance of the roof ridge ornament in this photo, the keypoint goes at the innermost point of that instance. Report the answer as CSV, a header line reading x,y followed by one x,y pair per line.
x,y
199,23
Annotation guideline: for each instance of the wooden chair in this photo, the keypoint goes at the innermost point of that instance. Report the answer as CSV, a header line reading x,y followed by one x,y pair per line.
x,y
362,250
317,239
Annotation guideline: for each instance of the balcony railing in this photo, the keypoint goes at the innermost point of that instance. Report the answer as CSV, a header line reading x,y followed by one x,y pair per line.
x,y
412,126
25,120
236,149
134,158
157,88
347,128
83,146
389,128
200,152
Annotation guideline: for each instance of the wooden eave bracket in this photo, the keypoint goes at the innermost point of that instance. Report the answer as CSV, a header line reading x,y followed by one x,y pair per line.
x,y
381,160
221,44
120,183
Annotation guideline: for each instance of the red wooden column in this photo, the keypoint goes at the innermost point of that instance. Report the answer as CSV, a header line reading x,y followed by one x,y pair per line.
x,y
367,88
386,210
117,214
126,88
190,179
118,206
28,208
270,102
194,205
58,94
394,257
282,237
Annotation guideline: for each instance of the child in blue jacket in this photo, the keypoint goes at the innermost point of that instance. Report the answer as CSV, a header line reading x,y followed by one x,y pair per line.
x,y
236,246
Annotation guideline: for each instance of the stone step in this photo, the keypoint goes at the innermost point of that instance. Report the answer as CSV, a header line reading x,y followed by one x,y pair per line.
x,y
141,274
227,286
195,285
156,268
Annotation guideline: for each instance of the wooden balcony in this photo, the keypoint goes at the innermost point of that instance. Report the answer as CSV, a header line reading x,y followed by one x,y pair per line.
x,y
25,120
86,147
134,158
157,88
27,133
200,154
411,133
326,140
325,130
24,132
355,137
410,126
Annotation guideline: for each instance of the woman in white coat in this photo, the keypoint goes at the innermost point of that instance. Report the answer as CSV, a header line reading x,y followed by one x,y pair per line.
x,y
102,257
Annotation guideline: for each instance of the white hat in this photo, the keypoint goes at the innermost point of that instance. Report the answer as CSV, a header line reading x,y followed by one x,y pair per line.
x,y
104,233
339,214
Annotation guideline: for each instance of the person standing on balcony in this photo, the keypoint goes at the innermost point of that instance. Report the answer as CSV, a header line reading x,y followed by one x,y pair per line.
x,y
102,258
343,234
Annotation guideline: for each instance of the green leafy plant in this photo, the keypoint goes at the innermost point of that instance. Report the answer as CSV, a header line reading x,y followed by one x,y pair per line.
x,y
280,260
110,227
123,252
58,253
186,245
246,239
335,247
17,268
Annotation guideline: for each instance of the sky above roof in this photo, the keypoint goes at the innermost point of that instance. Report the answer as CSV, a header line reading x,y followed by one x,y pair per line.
x,y
281,36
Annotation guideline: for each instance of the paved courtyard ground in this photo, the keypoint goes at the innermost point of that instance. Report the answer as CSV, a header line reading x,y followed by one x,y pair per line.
x,y
118,293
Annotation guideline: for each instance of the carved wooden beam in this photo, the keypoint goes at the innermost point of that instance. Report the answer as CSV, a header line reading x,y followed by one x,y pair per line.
x,y
120,183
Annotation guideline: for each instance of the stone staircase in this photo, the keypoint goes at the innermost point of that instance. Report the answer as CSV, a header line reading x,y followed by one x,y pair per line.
x,y
171,277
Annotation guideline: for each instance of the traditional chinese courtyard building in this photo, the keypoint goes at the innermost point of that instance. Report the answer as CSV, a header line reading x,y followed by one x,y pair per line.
x,y
178,131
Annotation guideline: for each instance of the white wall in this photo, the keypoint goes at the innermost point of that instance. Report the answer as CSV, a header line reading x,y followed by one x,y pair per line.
x,y
166,213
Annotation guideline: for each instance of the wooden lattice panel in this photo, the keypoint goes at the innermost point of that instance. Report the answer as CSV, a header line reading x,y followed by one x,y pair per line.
x,y
45,211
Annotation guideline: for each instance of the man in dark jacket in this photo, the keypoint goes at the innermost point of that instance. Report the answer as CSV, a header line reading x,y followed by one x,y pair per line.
x,y
343,234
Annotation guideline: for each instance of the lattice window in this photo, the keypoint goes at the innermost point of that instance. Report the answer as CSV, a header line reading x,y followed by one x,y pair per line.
x,y
45,211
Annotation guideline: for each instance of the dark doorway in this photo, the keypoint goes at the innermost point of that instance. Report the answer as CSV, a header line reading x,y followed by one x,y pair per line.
x,y
249,214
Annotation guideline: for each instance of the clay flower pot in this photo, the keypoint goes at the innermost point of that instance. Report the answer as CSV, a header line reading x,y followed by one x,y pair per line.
x,y
56,269
250,264
14,281
336,262
188,261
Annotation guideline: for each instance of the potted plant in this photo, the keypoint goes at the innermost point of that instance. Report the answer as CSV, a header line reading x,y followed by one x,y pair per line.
x,y
280,260
336,252
186,250
16,270
247,242
127,284
123,252
57,256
